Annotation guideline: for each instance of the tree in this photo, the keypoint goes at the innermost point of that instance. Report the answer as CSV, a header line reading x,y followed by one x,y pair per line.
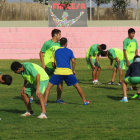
x,y
42,1
99,2
119,6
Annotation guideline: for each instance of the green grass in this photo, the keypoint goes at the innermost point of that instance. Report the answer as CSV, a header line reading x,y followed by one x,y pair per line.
x,y
104,119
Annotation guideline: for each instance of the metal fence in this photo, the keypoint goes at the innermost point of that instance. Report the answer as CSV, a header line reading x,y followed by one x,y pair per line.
x,y
96,10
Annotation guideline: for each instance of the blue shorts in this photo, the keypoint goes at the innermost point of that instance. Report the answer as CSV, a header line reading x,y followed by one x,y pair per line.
x,y
69,79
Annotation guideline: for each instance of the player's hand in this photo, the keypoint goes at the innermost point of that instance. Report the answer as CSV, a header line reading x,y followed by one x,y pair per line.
x,y
109,67
128,63
93,67
22,90
74,72
37,92
43,66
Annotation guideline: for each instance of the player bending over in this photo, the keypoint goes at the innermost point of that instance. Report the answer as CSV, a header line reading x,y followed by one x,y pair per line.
x,y
132,77
5,79
63,71
117,55
35,81
92,58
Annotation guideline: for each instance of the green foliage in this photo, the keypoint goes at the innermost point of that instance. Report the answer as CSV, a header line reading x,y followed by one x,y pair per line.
x,y
119,6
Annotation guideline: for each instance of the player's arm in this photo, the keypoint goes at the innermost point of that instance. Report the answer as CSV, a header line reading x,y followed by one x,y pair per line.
x,y
37,84
137,47
73,65
42,59
124,51
125,55
53,60
23,88
118,62
90,59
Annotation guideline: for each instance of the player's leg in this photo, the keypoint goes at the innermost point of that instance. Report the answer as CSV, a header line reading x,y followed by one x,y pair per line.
x,y
98,73
120,76
55,80
71,80
124,88
113,76
47,92
25,94
43,86
59,93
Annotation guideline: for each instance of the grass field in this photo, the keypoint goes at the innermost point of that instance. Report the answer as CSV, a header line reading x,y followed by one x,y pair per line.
x,y
104,119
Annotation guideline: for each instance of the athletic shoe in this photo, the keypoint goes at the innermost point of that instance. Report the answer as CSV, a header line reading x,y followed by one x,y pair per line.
x,y
60,101
110,83
27,113
87,102
42,116
119,83
124,100
135,96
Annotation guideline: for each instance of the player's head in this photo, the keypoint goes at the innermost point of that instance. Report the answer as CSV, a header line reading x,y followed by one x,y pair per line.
x,y
6,79
17,67
63,42
56,33
102,47
131,32
104,53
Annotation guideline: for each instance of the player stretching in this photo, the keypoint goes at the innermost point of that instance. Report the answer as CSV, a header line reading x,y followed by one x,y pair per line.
x,y
92,58
117,55
63,57
5,79
35,82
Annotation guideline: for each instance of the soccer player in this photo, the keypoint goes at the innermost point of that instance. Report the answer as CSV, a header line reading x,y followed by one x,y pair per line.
x,y
35,82
92,58
5,79
117,55
132,77
63,71
47,50
130,48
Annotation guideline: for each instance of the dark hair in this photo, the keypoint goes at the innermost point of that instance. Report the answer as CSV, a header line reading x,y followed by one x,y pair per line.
x,y
55,31
103,46
103,53
63,41
131,30
7,79
15,66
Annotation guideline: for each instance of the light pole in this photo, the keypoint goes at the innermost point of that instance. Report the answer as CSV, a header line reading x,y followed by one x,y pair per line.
x,y
90,10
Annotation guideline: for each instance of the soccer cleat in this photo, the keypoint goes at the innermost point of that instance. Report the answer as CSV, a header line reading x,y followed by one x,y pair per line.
x,y
110,83
119,83
27,113
135,96
42,116
124,100
87,102
60,101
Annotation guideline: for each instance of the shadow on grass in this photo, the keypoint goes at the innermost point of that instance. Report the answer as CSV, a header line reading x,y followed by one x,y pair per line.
x,y
12,111
18,97
105,87
115,98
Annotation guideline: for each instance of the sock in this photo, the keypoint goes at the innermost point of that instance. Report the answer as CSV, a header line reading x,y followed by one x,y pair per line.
x,y
43,113
125,98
